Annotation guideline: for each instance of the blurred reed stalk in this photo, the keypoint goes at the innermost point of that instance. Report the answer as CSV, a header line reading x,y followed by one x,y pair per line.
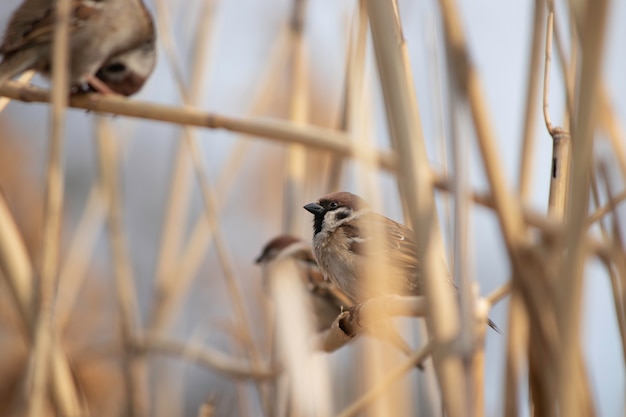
x,y
44,332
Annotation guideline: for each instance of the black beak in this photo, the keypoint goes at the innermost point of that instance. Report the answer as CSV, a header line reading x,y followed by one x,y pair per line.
x,y
314,208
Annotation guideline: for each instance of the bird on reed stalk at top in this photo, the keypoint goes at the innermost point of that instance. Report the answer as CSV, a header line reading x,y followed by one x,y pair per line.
x,y
99,30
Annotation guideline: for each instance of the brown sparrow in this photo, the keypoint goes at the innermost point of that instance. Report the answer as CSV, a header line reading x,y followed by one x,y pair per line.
x,y
326,299
126,73
344,251
99,30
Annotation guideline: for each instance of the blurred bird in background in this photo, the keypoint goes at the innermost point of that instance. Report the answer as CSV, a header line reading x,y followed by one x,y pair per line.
x,y
98,31
326,299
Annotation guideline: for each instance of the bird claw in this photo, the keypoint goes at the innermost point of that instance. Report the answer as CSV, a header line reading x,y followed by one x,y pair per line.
x,y
355,313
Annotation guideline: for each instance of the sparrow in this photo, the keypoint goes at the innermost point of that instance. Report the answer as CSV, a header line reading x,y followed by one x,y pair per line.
x,y
326,299
99,30
344,251
126,73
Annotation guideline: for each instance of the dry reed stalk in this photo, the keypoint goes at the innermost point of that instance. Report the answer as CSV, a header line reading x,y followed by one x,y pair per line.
x,y
336,164
204,356
81,248
15,265
568,66
507,209
296,158
43,329
167,285
469,340
516,349
365,400
192,253
416,188
561,143
209,199
610,122
134,368
194,250
180,184
17,271
526,168
618,269
569,310
21,80
278,130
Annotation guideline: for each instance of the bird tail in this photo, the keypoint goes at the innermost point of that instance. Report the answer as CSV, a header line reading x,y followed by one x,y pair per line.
x,y
16,63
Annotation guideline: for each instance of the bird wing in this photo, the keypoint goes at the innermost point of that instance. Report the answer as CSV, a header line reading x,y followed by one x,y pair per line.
x,y
398,245
33,23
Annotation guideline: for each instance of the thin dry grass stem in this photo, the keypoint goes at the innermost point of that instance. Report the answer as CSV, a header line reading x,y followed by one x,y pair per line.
x,y
180,183
516,350
178,200
192,254
526,168
477,372
416,188
314,137
617,272
384,384
376,359
611,124
15,265
243,325
437,103
23,79
508,210
16,269
133,368
81,248
602,211
569,381
336,163
561,142
546,72
499,293
211,359
617,250
210,205
44,330
296,162
468,341
568,67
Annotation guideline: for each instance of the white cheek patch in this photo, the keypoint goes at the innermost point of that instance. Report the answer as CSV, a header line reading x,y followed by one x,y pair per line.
x,y
337,217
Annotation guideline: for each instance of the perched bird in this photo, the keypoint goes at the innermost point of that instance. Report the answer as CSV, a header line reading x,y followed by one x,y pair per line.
x,y
344,250
99,30
126,73
326,299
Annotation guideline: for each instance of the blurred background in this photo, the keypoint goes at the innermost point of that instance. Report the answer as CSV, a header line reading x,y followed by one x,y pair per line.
x,y
248,71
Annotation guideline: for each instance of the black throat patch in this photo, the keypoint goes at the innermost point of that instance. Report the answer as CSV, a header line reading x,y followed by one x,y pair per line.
x,y
318,219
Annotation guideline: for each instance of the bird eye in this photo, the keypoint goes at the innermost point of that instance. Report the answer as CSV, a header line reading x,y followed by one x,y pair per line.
x,y
116,67
333,205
